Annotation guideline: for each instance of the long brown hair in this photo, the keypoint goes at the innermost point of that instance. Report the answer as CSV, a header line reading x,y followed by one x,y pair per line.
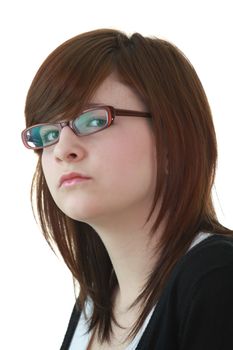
x,y
185,144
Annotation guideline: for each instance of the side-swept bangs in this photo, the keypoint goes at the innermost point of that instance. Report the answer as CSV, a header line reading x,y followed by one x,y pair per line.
x,y
66,80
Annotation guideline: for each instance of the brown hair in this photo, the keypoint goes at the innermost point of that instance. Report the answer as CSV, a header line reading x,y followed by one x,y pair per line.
x,y
182,125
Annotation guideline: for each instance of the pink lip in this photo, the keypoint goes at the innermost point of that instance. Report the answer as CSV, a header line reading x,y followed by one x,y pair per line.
x,y
72,178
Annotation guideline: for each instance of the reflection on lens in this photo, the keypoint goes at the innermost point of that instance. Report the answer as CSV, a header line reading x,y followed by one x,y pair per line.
x,y
34,138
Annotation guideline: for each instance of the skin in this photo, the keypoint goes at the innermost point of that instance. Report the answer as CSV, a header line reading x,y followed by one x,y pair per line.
x,y
121,161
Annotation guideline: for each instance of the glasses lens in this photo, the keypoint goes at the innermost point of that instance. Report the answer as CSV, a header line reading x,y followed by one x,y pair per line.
x,y
42,135
91,121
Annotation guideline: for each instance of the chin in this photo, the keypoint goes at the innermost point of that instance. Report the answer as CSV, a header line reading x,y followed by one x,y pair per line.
x,y
81,212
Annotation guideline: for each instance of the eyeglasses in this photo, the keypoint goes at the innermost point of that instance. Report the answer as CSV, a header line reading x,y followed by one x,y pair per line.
x,y
88,122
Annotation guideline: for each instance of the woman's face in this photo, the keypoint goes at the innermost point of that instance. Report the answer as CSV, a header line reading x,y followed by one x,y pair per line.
x,y
120,162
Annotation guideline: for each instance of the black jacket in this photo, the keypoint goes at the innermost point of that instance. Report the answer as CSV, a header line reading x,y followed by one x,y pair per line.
x,y
195,311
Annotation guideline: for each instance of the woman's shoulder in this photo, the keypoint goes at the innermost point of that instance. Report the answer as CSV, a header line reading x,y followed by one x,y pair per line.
x,y
214,252
205,261
197,296
205,288
204,267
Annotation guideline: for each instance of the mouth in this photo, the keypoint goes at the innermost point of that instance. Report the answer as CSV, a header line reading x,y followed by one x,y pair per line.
x,y
72,179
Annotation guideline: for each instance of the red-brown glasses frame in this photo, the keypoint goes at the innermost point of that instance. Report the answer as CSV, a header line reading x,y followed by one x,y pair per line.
x,y
111,113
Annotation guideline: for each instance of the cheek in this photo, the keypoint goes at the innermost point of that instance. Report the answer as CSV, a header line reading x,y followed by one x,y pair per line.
x,y
48,171
130,167
44,163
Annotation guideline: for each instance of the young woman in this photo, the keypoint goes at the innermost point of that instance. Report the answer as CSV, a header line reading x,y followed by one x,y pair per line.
x,y
126,162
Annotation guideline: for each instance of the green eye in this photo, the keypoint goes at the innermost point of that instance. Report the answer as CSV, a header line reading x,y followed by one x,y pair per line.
x,y
50,136
91,121
96,123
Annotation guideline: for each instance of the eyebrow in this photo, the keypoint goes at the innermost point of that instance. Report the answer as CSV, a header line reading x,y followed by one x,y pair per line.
x,y
92,104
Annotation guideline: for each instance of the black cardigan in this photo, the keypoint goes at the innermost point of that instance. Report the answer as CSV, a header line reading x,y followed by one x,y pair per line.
x,y
195,311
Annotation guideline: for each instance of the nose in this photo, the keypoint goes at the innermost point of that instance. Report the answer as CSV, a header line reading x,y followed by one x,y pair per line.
x,y
69,147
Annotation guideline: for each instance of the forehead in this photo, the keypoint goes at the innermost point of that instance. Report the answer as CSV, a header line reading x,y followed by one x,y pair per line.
x,y
114,92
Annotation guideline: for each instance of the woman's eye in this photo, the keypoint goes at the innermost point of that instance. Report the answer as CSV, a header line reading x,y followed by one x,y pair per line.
x,y
50,136
96,122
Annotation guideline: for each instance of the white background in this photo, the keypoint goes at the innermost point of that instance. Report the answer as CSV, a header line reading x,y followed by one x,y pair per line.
x,y
36,291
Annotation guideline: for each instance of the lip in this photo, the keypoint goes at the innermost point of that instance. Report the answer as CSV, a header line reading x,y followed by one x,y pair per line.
x,y
72,178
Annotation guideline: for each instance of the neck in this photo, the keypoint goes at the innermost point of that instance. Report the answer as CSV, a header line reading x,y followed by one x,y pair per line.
x,y
132,251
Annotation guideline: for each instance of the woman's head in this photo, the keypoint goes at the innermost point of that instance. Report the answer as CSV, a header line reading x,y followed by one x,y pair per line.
x,y
165,84
169,157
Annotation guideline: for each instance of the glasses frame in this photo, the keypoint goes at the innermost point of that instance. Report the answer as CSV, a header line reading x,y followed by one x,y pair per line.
x,y
111,113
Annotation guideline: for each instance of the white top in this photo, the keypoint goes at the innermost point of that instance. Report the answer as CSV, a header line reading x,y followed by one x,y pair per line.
x,y
81,337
